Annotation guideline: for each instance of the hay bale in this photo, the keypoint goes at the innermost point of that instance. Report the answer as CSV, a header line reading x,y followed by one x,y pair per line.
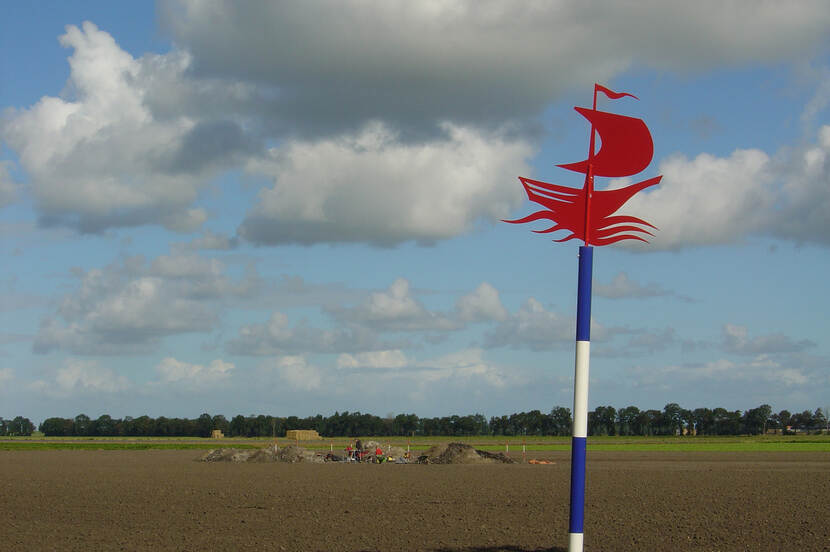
x,y
302,435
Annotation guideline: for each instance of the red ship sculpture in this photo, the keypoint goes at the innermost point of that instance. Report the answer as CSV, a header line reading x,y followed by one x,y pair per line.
x,y
626,150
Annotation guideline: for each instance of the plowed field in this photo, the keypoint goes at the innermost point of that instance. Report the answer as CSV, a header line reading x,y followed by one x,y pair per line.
x,y
165,500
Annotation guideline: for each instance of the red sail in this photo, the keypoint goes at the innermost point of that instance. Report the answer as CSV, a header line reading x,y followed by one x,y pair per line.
x,y
626,145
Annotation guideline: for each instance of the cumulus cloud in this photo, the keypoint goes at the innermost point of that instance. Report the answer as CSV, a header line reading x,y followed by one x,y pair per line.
x,y
373,360
81,376
707,200
467,365
736,340
384,133
481,305
395,309
112,155
371,187
128,307
804,206
534,327
358,328
713,200
380,370
171,370
278,337
335,65
297,373
762,369
6,375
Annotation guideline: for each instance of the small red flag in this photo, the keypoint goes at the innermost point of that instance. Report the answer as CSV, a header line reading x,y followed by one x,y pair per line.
x,y
611,94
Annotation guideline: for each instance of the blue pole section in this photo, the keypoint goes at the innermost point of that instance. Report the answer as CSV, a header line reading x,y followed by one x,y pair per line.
x,y
580,427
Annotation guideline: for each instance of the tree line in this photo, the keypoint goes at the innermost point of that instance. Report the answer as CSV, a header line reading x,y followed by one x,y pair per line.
x,y
604,420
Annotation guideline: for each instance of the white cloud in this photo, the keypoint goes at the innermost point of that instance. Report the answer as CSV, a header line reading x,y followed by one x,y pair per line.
x,y
481,305
760,370
467,365
129,307
372,187
736,340
298,374
382,372
411,135
278,337
534,327
395,310
373,360
803,212
174,371
112,156
79,377
707,200
710,200
335,65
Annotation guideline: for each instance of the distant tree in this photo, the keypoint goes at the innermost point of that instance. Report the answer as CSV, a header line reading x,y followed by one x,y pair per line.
x,y
783,419
56,427
103,426
204,425
82,425
19,426
687,420
704,421
144,426
627,420
672,419
561,421
601,421
819,419
404,424
755,419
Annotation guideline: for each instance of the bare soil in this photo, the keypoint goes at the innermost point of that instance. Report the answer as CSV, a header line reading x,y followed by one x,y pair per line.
x,y
166,500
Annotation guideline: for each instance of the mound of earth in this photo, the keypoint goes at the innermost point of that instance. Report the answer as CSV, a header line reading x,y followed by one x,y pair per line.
x,y
459,453
291,455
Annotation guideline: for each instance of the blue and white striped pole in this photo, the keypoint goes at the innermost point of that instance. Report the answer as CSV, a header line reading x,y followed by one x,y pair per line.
x,y
580,427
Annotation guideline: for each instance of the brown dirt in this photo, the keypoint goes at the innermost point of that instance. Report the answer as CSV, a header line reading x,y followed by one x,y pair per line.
x,y
165,500
459,453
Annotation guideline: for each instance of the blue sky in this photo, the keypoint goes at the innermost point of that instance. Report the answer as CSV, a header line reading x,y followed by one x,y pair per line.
x,y
294,208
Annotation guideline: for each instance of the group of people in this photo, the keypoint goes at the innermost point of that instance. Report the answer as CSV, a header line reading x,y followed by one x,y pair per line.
x,y
358,453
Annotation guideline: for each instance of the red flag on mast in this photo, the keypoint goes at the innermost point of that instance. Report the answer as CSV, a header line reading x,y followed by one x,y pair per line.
x,y
611,94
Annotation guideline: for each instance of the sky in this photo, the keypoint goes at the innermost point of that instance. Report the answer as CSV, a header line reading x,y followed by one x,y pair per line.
x,y
293,208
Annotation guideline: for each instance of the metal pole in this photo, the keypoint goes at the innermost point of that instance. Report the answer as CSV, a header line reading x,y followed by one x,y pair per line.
x,y
580,427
